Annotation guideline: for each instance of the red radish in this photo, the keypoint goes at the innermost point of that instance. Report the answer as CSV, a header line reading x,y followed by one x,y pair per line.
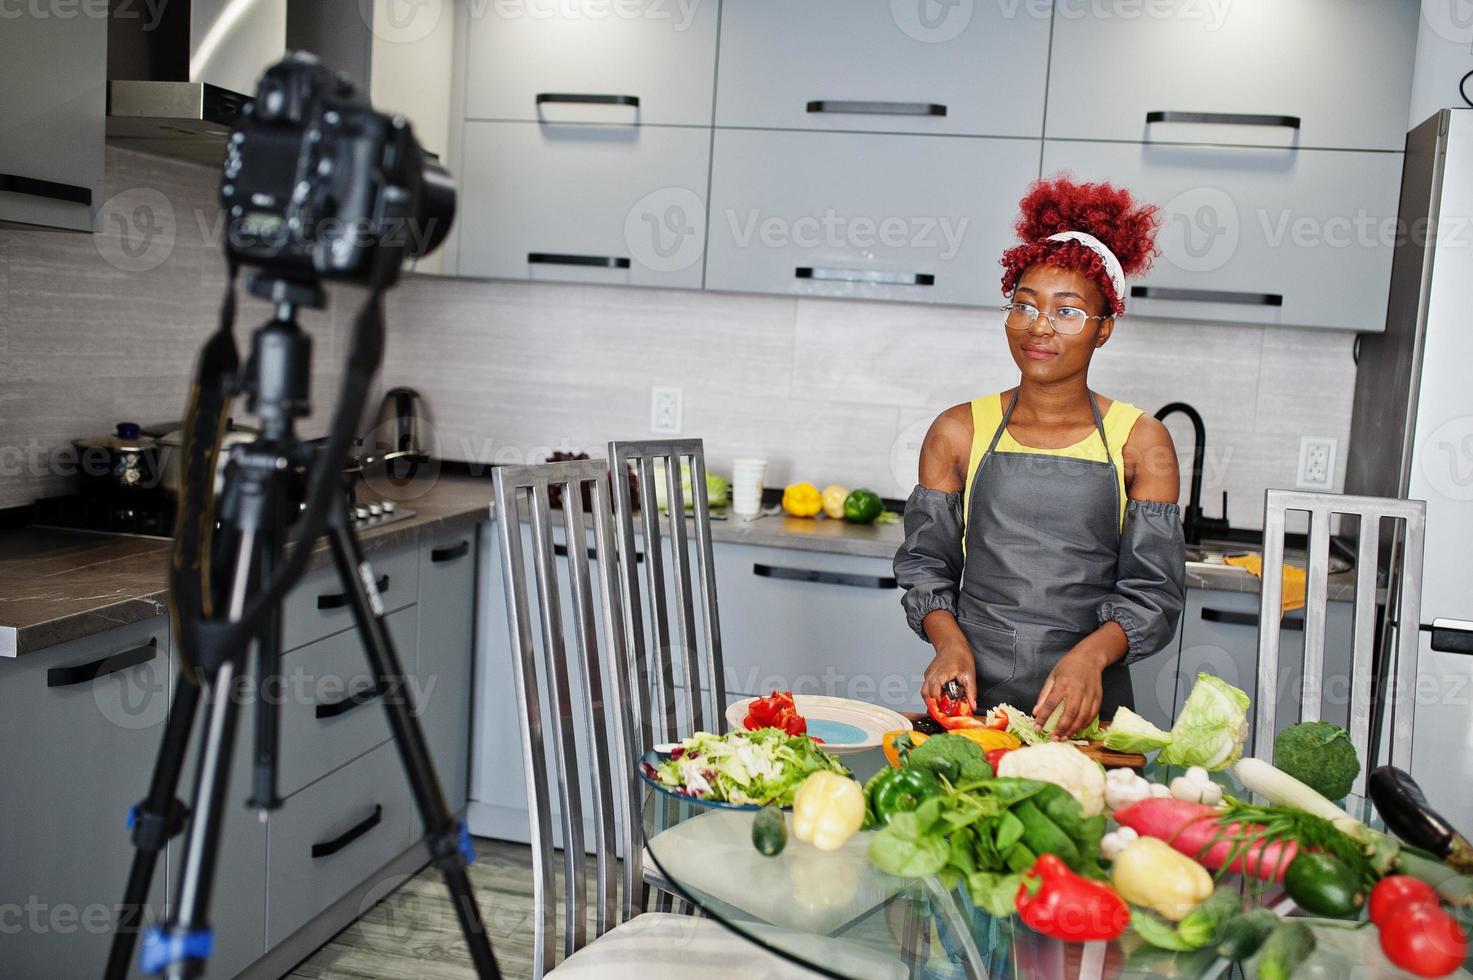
x,y
1192,827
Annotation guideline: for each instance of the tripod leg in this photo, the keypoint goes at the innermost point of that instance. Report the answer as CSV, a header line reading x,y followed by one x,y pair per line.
x,y
159,817
448,839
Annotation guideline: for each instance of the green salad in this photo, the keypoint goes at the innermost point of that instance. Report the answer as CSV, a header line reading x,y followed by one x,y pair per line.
x,y
757,767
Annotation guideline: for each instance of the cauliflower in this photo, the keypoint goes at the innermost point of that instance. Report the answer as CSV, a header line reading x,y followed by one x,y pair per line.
x,y
1124,787
1063,765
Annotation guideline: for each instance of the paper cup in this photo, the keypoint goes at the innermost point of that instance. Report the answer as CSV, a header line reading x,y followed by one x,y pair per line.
x,y
747,477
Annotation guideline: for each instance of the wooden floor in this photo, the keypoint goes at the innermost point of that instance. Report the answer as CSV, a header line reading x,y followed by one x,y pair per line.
x,y
413,933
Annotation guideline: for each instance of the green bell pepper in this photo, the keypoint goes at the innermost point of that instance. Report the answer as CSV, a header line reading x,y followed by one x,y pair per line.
x,y
863,506
893,791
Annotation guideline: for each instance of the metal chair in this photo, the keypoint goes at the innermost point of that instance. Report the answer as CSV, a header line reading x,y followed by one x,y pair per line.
x,y
1402,612
624,941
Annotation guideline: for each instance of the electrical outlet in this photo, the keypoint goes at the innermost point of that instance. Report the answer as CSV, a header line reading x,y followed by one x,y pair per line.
x,y
665,410
1316,463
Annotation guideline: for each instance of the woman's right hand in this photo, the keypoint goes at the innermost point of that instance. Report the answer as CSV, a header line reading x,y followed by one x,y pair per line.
x,y
953,662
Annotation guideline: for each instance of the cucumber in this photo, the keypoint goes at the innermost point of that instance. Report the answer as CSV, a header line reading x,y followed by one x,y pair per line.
x,y
769,831
1288,946
1243,934
1322,885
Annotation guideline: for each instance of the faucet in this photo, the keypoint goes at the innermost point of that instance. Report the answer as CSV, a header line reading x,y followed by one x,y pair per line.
x,y
1193,523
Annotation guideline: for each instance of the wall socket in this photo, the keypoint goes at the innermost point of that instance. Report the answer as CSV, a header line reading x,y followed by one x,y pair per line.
x,y
1316,463
665,410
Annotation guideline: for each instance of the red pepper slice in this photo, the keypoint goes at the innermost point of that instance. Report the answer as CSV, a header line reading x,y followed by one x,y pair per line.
x,y
1057,902
951,714
778,710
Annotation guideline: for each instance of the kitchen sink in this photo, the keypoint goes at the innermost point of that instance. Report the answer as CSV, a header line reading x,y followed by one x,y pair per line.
x,y
1213,554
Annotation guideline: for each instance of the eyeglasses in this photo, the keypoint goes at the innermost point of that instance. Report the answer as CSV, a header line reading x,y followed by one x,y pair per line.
x,y
1067,320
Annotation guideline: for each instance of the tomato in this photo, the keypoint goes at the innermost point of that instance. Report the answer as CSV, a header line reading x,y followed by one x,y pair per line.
x,y
777,710
1393,891
1421,938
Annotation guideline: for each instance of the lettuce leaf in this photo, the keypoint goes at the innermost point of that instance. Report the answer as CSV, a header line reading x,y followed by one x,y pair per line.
x,y
1129,732
1209,732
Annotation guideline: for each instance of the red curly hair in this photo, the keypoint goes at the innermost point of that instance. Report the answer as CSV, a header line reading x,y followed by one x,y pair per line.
x,y
1107,212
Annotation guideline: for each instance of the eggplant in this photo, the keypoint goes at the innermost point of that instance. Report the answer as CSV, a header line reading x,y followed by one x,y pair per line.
x,y
1400,803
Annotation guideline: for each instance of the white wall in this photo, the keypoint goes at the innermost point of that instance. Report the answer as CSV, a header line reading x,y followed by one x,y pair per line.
x,y
1444,56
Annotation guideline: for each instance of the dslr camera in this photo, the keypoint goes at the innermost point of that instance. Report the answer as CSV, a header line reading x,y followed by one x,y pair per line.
x,y
317,185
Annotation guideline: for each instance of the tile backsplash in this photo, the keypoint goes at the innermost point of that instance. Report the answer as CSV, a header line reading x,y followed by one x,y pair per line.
x,y
99,328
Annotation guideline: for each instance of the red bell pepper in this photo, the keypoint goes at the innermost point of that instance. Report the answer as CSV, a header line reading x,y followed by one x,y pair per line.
x,y
778,710
952,713
994,756
1057,902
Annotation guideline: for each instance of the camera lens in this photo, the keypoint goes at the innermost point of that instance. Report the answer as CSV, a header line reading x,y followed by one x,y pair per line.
x,y
436,209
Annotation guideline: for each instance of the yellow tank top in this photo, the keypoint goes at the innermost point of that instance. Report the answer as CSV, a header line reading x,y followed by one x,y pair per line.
x,y
987,416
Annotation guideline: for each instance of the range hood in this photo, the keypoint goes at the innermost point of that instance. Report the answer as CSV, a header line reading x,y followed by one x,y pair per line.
x,y
178,72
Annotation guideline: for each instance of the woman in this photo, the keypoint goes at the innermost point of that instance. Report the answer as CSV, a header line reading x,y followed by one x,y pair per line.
x,y
1043,548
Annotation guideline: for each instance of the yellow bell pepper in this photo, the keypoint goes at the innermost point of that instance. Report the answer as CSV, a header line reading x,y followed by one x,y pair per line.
x,y
802,500
833,500
1152,873
989,738
828,809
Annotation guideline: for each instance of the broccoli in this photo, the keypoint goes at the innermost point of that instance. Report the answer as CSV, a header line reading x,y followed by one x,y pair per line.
x,y
953,757
1319,755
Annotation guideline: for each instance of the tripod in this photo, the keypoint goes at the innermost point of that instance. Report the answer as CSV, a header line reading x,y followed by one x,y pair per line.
x,y
264,486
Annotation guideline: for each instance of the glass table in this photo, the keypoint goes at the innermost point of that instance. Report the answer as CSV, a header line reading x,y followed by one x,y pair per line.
x,y
838,915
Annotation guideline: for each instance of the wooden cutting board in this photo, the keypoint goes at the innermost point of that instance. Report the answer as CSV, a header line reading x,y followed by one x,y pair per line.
x,y
1112,758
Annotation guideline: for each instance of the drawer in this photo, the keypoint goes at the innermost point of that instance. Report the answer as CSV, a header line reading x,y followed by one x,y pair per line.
x,y
318,607
327,718
333,836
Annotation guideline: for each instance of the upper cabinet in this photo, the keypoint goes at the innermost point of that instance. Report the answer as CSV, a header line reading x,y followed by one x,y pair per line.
x,y
53,71
620,63
908,66
1308,73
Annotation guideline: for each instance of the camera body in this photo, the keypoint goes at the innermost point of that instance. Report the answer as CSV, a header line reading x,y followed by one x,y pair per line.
x,y
317,185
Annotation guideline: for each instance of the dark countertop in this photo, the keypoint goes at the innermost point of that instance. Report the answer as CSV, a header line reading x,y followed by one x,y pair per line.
x,y
57,586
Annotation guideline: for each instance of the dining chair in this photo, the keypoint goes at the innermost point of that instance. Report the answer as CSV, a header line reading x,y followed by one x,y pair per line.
x,y
593,739
1371,661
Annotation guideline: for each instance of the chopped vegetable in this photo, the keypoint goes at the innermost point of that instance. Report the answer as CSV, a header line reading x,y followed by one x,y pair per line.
x,y
1149,873
1421,938
1129,732
988,738
777,710
953,713
892,791
1322,885
802,500
1196,787
1401,804
1116,841
1244,934
950,757
1209,732
769,831
757,767
1021,725
1319,755
828,809
1056,902
1194,830
1063,765
1287,947
1124,787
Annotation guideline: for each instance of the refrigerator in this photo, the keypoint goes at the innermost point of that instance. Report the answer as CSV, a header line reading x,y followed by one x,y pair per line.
x,y
1412,437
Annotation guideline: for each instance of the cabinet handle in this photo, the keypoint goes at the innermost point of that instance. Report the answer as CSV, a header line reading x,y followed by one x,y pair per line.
x,y
333,709
337,600
1451,635
561,550
583,98
35,187
1207,296
1244,619
878,108
824,577
1223,118
559,258
331,847
458,550
82,673
865,275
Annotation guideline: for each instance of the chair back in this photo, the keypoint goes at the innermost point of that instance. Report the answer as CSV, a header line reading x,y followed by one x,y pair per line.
x,y
679,675
597,654
1371,663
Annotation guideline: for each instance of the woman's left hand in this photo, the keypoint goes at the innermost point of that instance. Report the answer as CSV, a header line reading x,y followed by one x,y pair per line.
x,y
1075,680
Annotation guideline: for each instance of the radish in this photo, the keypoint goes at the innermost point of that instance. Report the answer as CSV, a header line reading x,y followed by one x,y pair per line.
x,y
1191,828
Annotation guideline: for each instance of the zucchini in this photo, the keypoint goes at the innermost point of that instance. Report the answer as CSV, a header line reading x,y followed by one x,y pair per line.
x,y
1243,934
1287,947
1322,885
769,831
1400,803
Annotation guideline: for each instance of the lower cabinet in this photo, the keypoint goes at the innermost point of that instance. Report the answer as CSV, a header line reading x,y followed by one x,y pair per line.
x,y
447,576
81,723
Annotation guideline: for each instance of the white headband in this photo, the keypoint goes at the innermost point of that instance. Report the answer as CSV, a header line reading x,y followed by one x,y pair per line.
x,y
1112,264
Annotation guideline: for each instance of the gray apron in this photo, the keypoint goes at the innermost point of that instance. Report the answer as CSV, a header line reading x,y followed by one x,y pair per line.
x,y
1043,543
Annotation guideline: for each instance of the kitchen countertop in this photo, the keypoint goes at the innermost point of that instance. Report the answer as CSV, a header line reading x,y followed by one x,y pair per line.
x,y
58,585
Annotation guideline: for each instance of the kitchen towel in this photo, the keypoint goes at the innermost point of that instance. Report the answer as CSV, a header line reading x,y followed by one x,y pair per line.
x,y
1294,581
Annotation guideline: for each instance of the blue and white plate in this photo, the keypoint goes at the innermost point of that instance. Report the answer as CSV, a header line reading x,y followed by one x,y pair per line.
x,y
661,753
845,726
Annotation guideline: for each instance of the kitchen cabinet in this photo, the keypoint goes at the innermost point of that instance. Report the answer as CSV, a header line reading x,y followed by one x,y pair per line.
x,y
1256,235
81,723
651,63
878,67
443,699
319,607
605,204
53,70
1220,637
862,215
1341,68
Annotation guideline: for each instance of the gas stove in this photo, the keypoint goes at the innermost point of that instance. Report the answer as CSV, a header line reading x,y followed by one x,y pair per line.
x,y
151,514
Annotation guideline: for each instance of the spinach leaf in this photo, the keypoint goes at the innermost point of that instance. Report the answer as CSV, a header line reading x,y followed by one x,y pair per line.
x,y
994,893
